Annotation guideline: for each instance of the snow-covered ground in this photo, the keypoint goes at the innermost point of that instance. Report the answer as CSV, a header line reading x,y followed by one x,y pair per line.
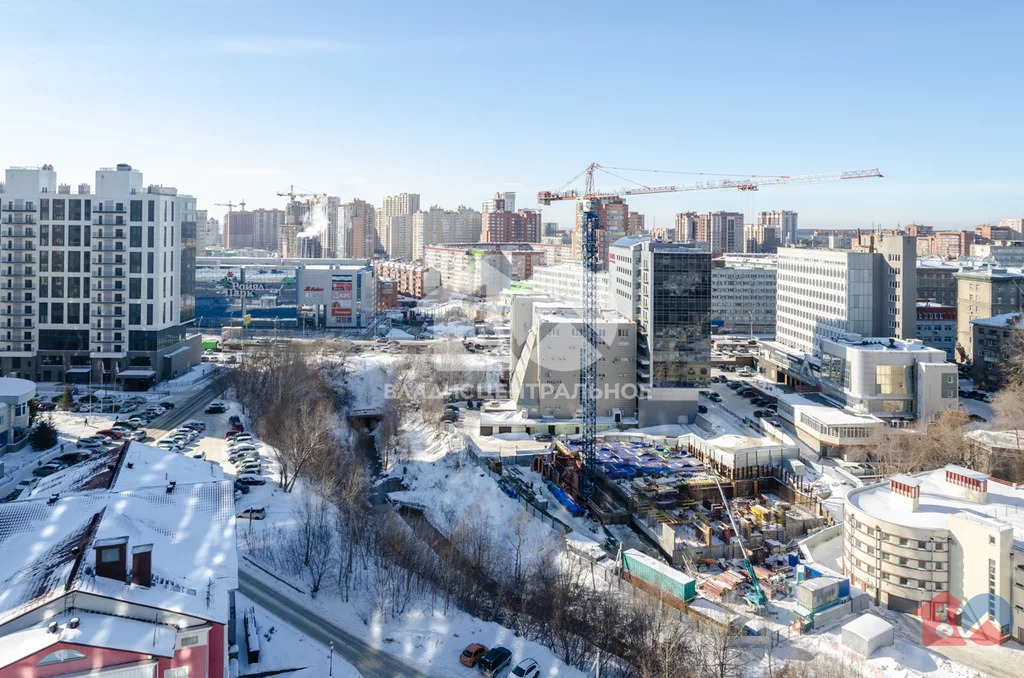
x,y
283,648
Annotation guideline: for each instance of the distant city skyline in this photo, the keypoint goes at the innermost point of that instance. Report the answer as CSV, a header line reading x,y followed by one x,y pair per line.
x,y
259,99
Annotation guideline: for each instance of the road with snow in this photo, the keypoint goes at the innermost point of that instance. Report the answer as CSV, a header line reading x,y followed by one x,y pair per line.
x,y
369,661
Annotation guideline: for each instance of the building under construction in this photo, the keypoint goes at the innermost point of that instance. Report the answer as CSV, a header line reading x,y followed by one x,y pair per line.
x,y
669,491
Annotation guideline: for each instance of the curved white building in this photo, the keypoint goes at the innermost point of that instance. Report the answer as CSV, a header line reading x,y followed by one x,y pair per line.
x,y
951,530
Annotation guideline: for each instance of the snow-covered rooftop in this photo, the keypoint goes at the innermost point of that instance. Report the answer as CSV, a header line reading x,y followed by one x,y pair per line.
x,y
868,626
93,630
16,388
939,500
49,545
1003,321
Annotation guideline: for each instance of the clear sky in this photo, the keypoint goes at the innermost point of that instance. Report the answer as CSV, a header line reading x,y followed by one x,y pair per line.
x,y
233,99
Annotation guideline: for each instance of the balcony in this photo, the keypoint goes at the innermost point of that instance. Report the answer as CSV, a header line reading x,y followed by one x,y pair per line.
x,y
112,328
18,233
19,313
108,234
26,286
24,259
100,287
11,247
108,314
100,274
118,247
20,220
16,274
111,261
97,340
109,299
18,349
27,206
108,209
17,299
24,325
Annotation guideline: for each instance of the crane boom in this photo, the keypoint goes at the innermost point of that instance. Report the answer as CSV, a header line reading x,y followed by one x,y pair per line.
x,y
757,595
745,184
590,223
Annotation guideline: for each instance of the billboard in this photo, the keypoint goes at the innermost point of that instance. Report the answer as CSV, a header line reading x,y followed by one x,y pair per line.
x,y
342,311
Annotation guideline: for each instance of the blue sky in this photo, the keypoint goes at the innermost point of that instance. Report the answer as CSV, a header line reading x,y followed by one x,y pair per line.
x,y
238,99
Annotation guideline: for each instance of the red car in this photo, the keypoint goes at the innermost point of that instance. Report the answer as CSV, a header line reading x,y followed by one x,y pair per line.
x,y
471,655
110,433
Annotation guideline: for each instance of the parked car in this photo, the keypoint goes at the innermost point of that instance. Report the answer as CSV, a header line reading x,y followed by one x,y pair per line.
x,y
127,408
703,409
253,514
241,437
242,487
241,447
543,437
471,655
93,441
110,433
733,384
715,398
199,455
46,470
494,661
195,424
251,468
758,414
135,421
167,405
138,434
977,417
234,419
526,669
215,409
250,479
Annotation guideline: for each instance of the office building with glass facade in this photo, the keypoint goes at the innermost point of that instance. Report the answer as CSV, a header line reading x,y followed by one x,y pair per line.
x,y
888,378
666,288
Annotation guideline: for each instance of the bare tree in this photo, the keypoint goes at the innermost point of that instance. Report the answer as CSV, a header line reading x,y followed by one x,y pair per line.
x,y
911,451
719,652
300,433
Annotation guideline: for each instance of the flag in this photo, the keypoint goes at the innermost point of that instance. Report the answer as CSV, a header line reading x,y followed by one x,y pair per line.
x,y
103,369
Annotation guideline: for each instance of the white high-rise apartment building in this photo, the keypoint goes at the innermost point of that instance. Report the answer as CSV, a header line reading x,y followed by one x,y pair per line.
x,y
783,221
502,202
207,232
396,240
831,294
438,226
96,286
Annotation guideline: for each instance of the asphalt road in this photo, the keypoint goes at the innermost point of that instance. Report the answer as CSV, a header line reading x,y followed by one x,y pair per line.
x,y
369,661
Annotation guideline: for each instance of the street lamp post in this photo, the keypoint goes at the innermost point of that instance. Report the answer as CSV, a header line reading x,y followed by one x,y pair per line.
x,y
330,670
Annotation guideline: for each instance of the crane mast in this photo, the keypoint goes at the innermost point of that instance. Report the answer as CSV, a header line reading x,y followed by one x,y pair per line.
x,y
590,225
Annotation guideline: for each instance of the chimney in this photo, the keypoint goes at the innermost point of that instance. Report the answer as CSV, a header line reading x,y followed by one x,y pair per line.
x,y
967,484
53,499
906,491
142,565
73,623
111,558
52,627
171,485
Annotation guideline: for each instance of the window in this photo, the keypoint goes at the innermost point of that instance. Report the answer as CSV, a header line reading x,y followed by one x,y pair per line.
x,y
58,209
949,386
61,656
188,641
179,672
135,236
136,210
891,380
151,216
991,539
110,555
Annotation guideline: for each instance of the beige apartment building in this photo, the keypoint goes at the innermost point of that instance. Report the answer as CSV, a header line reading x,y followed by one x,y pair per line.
x,y
983,292
545,364
948,531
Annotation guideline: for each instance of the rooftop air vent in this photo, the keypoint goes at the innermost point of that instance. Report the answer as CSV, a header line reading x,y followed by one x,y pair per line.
x,y
73,623
51,627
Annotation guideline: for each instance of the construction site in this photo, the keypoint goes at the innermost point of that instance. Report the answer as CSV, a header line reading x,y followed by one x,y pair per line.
x,y
675,495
